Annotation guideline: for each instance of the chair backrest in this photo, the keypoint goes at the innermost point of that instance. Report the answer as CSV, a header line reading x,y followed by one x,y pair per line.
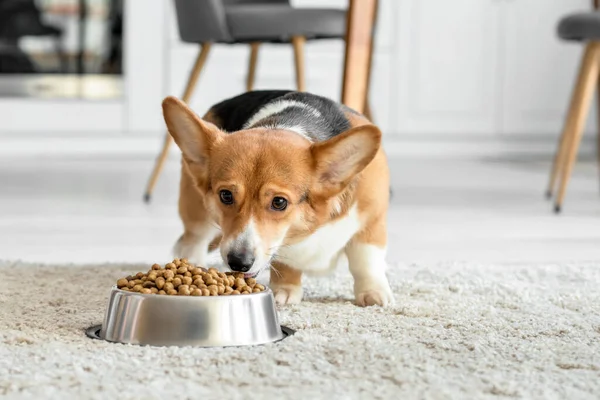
x,y
201,21
231,2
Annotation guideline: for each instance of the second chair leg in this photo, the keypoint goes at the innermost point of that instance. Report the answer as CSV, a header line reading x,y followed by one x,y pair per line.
x,y
252,65
187,94
298,43
598,124
561,151
598,148
368,113
578,112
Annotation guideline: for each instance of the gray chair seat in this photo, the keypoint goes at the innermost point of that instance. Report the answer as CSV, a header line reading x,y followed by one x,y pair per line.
x,y
269,22
580,26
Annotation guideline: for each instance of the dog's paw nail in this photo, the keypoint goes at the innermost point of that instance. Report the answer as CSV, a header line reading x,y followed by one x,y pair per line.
x,y
287,294
374,298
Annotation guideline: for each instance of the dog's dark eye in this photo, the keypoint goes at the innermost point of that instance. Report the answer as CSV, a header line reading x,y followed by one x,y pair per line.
x,y
279,204
226,197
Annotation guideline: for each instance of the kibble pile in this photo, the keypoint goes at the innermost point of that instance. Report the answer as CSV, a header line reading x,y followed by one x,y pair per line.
x,y
179,278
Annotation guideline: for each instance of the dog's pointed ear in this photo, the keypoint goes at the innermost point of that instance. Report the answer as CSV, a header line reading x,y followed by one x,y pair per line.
x,y
194,136
338,160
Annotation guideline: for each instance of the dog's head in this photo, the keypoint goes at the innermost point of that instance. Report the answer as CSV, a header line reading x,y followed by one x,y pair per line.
x,y
263,185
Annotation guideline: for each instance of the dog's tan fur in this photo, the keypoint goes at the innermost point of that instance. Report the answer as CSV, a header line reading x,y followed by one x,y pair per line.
x,y
322,182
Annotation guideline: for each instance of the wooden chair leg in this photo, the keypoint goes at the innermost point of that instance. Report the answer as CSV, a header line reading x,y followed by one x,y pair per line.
x,y
578,112
367,112
187,94
298,43
596,6
359,39
561,151
252,65
598,125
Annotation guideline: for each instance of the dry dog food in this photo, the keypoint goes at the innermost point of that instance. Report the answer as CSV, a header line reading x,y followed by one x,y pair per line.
x,y
180,278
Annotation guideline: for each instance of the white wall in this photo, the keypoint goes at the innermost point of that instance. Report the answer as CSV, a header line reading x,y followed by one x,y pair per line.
x,y
483,67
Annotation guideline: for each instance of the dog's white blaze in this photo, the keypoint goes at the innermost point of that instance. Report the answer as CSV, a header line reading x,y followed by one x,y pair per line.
x,y
321,251
250,240
296,129
277,107
247,238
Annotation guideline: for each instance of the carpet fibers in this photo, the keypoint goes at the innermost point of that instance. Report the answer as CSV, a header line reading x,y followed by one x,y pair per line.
x,y
457,331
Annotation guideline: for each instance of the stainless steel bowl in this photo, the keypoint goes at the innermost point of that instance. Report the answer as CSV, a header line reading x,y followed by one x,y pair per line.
x,y
150,319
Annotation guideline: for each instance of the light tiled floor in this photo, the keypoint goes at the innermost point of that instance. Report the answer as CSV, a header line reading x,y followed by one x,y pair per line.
x,y
90,210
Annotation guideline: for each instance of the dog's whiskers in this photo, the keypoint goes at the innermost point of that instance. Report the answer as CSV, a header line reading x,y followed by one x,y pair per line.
x,y
276,271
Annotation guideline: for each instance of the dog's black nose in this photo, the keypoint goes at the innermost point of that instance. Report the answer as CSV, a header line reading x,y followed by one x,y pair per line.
x,y
240,262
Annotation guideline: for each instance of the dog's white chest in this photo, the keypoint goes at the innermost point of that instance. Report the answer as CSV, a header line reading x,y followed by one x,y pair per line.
x,y
321,250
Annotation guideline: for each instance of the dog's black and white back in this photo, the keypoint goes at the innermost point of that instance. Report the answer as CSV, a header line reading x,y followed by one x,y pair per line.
x,y
314,117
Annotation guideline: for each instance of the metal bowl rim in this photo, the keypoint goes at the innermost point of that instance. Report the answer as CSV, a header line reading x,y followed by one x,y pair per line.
x,y
114,288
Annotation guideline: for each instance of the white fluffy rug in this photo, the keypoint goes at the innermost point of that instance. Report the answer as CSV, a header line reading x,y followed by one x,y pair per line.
x,y
457,331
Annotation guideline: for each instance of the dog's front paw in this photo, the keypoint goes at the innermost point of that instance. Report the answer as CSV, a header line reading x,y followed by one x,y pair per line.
x,y
190,248
287,294
374,295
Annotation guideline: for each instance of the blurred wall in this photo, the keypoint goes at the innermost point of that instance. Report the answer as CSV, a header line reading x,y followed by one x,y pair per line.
x,y
464,67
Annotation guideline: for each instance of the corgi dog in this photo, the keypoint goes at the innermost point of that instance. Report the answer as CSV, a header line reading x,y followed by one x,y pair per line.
x,y
288,181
